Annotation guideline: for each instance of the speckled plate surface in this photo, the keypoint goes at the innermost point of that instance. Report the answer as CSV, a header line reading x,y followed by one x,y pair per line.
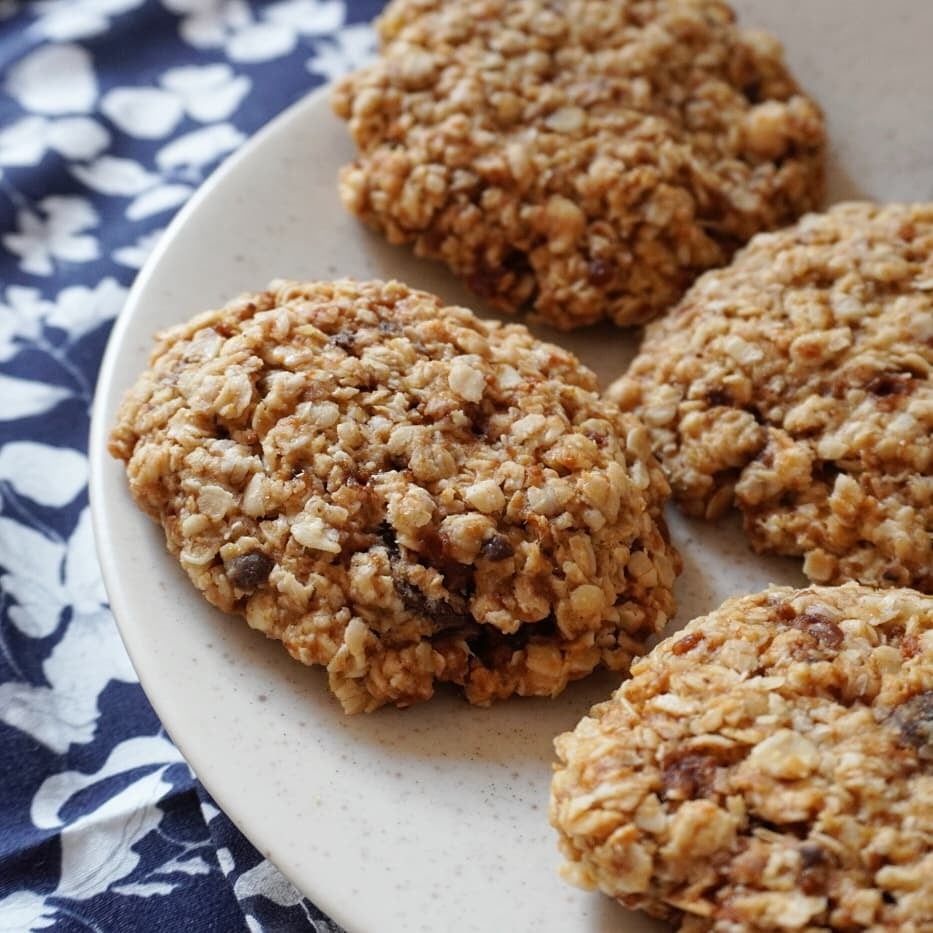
x,y
432,818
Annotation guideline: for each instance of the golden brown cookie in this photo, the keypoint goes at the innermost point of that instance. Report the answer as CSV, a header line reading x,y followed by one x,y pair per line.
x,y
770,767
401,492
797,383
584,158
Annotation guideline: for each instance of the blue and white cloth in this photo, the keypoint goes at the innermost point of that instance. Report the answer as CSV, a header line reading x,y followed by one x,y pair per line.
x,y
112,112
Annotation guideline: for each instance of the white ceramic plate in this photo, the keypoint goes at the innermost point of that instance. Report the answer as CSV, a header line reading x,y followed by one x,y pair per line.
x,y
434,818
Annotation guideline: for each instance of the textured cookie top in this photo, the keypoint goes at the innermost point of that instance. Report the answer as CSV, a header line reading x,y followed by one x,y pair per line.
x,y
798,383
584,157
401,491
769,767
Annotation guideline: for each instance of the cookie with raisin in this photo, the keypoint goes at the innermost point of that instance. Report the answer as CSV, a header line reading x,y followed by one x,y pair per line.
x,y
401,492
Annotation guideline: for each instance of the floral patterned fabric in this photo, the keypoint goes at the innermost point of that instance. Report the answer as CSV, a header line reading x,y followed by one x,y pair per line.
x,y
112,112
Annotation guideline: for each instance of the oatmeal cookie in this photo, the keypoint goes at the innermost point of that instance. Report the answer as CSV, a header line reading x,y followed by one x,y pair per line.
x,y
401,492
585,158
770,767
798,384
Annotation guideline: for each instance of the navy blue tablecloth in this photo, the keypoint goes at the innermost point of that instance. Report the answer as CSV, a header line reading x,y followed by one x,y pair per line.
x,y
112,112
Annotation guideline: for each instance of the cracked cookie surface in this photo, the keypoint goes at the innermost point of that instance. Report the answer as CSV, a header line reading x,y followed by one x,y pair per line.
x,y
586,159
401,492
770,767
797,383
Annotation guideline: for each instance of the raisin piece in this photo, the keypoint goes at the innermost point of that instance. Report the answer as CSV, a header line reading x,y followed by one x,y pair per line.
x,y
484,281
386,534
687,643
887,384
247,571
343,339
446,617
824,630
815,865
689,776
890,389
914,723
720,397
498,547
600,272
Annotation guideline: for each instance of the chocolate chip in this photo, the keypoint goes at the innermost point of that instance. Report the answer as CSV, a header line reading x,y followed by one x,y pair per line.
x,y
516,261
498,547
887,384
825,471
689,776
444,616
434,548
412,598
815,864
600,272
386,534
890,388
752,92
494,650
343,339
824,630
914,722
718,397
247,571
811,854
486,280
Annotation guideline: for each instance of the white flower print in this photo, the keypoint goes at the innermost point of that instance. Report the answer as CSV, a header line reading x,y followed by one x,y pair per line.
x,y
347,49
54,79
30,578
25,911
64,20
200,148
265,880
78,309
143,112
27,140
205,93
23,398
98,847
271,32
52,476
208,92
307,17
136,254
20,319
116,177
158,199
45,577
27,320
56,231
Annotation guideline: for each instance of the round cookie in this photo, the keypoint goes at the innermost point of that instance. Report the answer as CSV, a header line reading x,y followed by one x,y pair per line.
x,y
770,767
586,159
798,384
401,492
